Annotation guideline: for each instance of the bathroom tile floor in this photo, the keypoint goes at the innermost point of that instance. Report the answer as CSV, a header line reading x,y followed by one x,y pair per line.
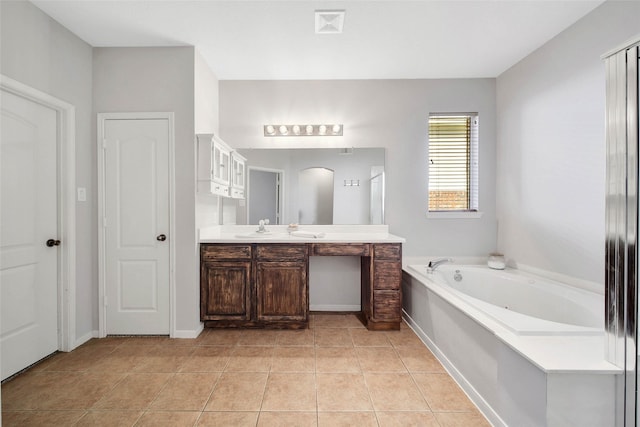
x,y
336,373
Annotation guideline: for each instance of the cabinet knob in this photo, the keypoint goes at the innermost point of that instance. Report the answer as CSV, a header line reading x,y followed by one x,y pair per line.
x,y
161,238
53,242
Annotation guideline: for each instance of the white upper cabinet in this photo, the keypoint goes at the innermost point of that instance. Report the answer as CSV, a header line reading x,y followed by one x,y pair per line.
x,y
221,170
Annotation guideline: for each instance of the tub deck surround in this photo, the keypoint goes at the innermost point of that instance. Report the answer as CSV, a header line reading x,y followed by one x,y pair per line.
x,y
533,378
251,279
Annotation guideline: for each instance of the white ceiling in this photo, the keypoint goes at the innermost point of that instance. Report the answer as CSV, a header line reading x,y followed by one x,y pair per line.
x,y
275,40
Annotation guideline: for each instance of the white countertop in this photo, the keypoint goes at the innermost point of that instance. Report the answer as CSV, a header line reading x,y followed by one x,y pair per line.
x,y
280,234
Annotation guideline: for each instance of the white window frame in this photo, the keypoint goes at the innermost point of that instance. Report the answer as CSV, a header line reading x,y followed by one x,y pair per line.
x,y
475,184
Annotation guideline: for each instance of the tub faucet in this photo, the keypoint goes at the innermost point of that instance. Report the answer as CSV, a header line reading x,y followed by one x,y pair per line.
x,y
435,263
261,225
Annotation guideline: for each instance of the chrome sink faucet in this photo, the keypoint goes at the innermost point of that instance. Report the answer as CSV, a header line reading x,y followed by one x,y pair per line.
x,y
261,225
435,263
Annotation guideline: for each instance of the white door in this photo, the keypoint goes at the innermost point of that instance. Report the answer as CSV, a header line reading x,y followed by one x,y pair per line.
x,y
136,210
28,218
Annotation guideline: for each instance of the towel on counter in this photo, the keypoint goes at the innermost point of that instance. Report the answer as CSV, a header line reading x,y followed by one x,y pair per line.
x,y
307,234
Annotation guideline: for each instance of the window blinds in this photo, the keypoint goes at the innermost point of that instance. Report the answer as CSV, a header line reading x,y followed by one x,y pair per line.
x,y
453,162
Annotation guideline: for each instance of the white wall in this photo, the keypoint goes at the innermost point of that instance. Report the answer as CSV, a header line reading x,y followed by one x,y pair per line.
x,y
161,79
551,147
379,113
39,52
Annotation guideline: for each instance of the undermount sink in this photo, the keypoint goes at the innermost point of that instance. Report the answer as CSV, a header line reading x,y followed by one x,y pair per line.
x,y
257,235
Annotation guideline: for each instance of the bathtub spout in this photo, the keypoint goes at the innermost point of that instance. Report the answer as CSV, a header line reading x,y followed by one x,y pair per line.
x,y
435,263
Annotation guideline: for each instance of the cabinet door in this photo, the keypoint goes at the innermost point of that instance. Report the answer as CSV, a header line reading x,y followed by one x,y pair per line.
x,y
225,292
281,289
221,162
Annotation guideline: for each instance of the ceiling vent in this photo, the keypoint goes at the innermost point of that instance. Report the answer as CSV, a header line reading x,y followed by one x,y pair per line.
x,y
329,21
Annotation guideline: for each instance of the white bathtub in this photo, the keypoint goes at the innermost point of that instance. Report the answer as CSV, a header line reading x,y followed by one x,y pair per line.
x,y
522,303
528,351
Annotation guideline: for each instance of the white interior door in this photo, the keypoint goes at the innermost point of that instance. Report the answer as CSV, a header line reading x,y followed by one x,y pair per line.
x,y
28,218
136,212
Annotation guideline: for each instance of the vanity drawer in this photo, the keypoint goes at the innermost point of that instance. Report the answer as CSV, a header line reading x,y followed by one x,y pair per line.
x,y
341,249
386,305
387,251
211,252
387,274
284,251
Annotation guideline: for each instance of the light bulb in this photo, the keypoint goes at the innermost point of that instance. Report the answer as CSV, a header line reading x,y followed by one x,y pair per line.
x,y
296,129
309,129
271,130
322,130
283,130
336,129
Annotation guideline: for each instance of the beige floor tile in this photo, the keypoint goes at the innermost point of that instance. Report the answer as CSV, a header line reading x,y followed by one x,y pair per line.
x,y
254,337
37,390
286,419
290,392
250,359
168,359
185,392
342,392
405,337
145,340
168,419
347,419
394,392
336,321
84,392
333,337
461,419
40,418
419,359
207,358
80,359
109,418
115,363
304,337
407,419
238,391
442,393
137,350
379,359
293,359
135,391
225,337
365,338
227,419
337,359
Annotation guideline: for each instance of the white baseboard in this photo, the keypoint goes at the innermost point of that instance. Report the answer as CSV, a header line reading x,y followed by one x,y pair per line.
x,y
333,307
188,333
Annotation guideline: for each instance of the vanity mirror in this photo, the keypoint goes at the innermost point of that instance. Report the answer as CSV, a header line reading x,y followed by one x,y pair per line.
x,y
314,186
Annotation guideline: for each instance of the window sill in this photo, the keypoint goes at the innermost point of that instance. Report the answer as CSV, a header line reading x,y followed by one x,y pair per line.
x,y
454,215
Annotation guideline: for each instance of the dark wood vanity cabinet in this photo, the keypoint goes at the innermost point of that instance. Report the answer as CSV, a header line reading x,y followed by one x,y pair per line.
x,y
282,287
267,284
382,287
225,283
254,285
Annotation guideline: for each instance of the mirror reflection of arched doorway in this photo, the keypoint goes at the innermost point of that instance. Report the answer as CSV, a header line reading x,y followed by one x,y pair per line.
x,y
315,196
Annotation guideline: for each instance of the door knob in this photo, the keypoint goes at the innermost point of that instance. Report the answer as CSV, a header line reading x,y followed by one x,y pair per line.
x,y
53,242
161,238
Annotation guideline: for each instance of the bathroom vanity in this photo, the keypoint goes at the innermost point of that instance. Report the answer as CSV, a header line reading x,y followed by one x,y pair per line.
x,y
263,281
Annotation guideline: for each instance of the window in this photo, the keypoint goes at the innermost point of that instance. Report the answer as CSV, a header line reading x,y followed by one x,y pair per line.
x,y
453,162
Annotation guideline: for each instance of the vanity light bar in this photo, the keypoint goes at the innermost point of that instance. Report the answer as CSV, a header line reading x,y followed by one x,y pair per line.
x,y
303,130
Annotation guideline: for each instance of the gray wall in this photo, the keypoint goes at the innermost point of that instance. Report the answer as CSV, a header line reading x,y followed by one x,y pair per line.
x,y
39,52
161,79
379,113
551,147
